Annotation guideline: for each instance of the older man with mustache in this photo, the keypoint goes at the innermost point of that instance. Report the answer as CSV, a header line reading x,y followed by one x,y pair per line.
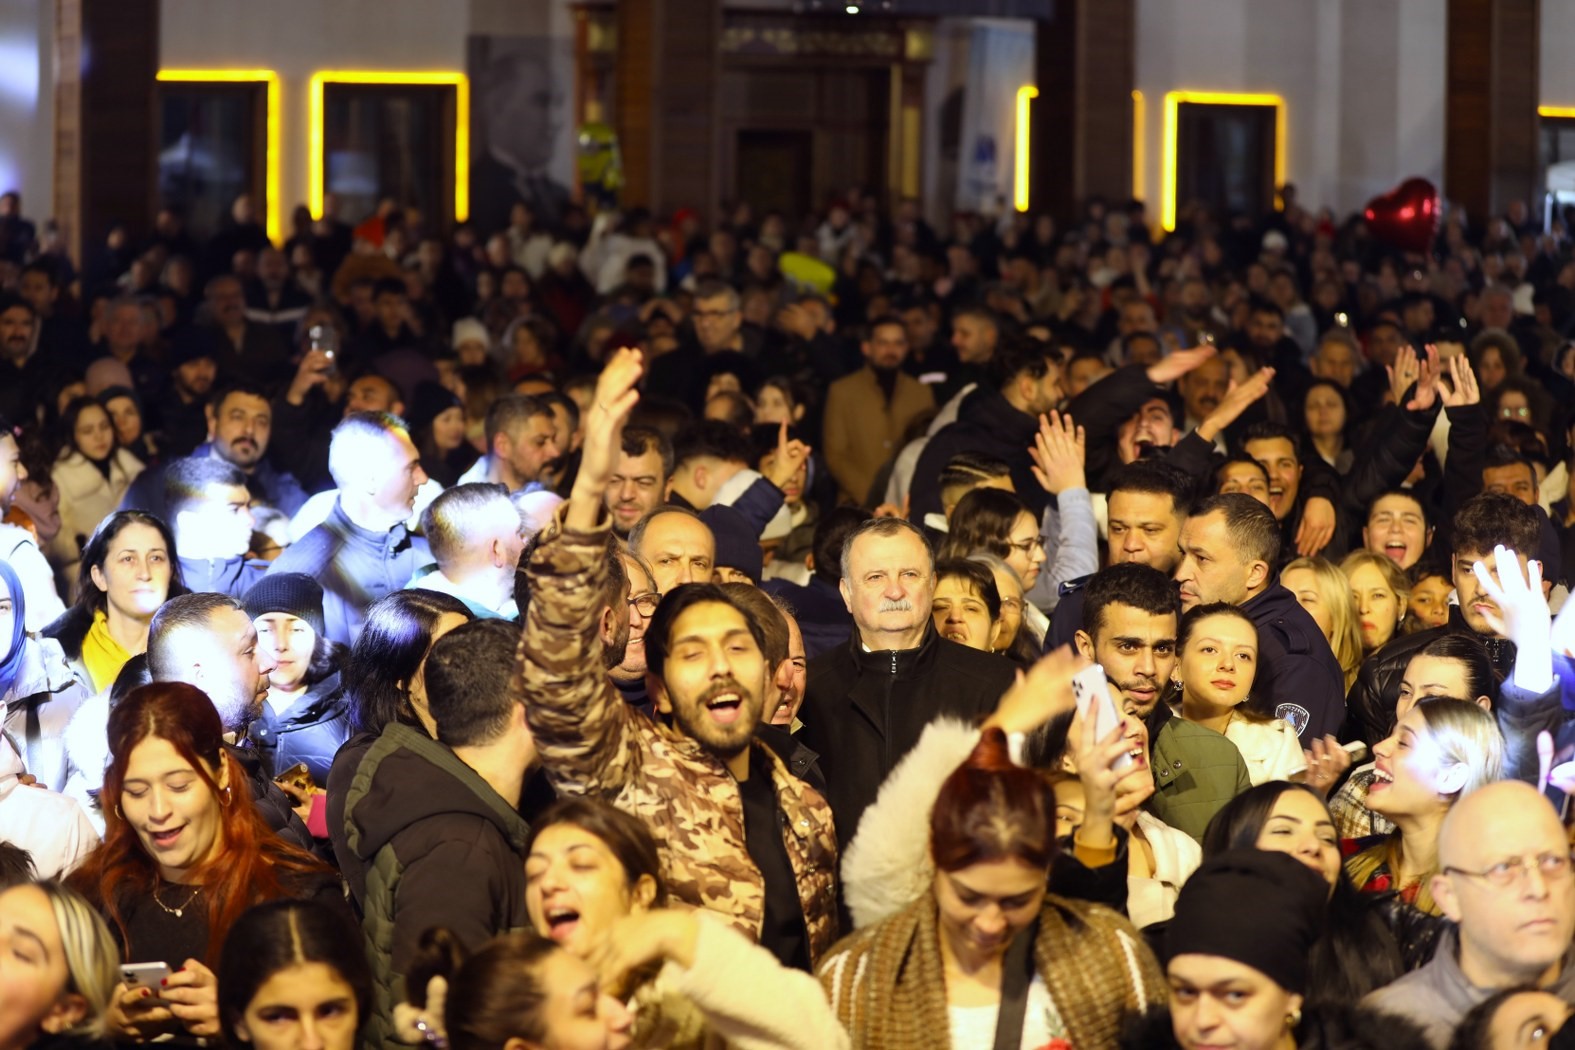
x,y
866,703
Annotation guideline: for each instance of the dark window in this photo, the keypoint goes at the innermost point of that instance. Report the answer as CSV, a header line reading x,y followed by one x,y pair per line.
x,y
212,148
393,141
1225,157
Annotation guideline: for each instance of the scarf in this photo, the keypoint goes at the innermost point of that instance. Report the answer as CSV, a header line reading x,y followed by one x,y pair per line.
x,y
16,643
101,654
887,982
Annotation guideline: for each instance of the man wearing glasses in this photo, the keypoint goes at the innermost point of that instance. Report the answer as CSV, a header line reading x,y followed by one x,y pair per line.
x,y
1504,863
627,670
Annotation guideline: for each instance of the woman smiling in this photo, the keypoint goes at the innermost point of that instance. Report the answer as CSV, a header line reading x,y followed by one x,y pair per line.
x,y
184,853
1219,659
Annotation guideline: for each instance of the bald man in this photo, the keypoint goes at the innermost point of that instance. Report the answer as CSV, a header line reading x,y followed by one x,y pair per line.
x,y
1504,864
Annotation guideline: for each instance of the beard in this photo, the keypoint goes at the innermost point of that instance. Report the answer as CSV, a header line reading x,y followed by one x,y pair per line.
x,y
724,741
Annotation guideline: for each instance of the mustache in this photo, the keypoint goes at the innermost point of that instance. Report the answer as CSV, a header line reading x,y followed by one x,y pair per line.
x,y
900,605
725,685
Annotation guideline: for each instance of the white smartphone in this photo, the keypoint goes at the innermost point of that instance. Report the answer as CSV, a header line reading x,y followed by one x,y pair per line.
x,y
1091,690
149,975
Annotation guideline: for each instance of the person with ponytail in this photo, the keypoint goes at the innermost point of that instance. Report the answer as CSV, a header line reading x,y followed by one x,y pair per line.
x,y
519,992
988,953
184,854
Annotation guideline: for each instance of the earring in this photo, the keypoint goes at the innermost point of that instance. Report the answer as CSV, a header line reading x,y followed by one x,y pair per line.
x,y
118,813
1293,1018
225,796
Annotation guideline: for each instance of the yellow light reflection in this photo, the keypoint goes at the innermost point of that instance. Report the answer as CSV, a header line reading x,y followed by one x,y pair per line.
x,y
274,206
1173,100
1138,159
1025,95
314,143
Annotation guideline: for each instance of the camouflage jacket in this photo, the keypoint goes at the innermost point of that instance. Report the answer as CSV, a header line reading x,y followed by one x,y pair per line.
x,y
593,743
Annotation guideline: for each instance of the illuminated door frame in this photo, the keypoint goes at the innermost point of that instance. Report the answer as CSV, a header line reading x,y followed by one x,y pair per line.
x,y
274,209
1174,100
389,78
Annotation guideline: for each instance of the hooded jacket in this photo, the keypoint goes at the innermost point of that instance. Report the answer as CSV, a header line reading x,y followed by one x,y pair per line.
x,y
356,567
1298,677
593,743
311,730
442,848
863,711
38,708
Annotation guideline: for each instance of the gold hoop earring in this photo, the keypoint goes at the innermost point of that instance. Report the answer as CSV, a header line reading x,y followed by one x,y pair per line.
x,y
225,796
118,813
1293,1018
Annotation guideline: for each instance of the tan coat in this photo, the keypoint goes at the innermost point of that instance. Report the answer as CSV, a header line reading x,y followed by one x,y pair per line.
x,y
593,743
862,431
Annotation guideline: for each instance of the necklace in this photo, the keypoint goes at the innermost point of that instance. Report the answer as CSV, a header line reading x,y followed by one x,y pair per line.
x,y
177,912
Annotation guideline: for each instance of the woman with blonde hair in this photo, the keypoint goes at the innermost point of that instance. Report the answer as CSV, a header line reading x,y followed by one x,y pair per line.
x,y
69,965
1381,595
1441,750
1325,593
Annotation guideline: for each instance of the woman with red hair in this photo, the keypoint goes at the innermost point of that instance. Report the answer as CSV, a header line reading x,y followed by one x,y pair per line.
x,y
989,956
184,854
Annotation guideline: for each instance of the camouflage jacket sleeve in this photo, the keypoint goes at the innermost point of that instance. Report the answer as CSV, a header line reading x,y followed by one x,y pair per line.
x,y
584,731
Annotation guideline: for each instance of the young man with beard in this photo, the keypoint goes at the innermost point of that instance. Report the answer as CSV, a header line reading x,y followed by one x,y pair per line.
x,y
868,412
1130,617
209,641
737,833
240,423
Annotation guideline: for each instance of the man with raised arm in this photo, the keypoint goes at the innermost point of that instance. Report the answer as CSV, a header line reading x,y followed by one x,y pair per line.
x,y
738,834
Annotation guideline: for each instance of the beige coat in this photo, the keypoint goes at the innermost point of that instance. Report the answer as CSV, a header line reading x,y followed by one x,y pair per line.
x,y
862,431
87,498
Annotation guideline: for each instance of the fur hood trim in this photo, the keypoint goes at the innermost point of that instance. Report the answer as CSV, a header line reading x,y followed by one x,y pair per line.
x,y
888,866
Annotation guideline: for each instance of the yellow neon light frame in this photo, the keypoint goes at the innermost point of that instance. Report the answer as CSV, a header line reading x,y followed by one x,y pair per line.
x,y
1556,111
459,81
275,208
1138,159
1025,95
1173,100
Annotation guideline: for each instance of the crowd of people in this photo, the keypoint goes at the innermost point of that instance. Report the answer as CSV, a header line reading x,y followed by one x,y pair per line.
x,y
607,632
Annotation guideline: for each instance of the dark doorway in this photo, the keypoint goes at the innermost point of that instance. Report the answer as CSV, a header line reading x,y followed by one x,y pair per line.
x,y
1225,157
774,170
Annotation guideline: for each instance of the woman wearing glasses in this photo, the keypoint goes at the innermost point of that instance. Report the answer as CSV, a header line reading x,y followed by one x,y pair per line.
x,y
997,523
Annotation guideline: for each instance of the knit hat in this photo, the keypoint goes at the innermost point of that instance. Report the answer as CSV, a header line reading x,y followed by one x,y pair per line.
x,y
430,401
294,593
1256,907
469,330
736,546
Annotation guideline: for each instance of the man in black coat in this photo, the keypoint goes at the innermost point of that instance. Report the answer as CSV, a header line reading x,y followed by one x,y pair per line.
x,y
1228,551
1000,418
867,702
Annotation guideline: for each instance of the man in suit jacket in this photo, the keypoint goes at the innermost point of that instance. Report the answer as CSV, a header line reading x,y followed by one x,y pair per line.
x,y
868,412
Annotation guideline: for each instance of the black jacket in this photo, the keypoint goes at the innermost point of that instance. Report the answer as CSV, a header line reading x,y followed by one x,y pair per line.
x,y
1370,705
863,711
440,848
312,730
1298,677
987,423
273,805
